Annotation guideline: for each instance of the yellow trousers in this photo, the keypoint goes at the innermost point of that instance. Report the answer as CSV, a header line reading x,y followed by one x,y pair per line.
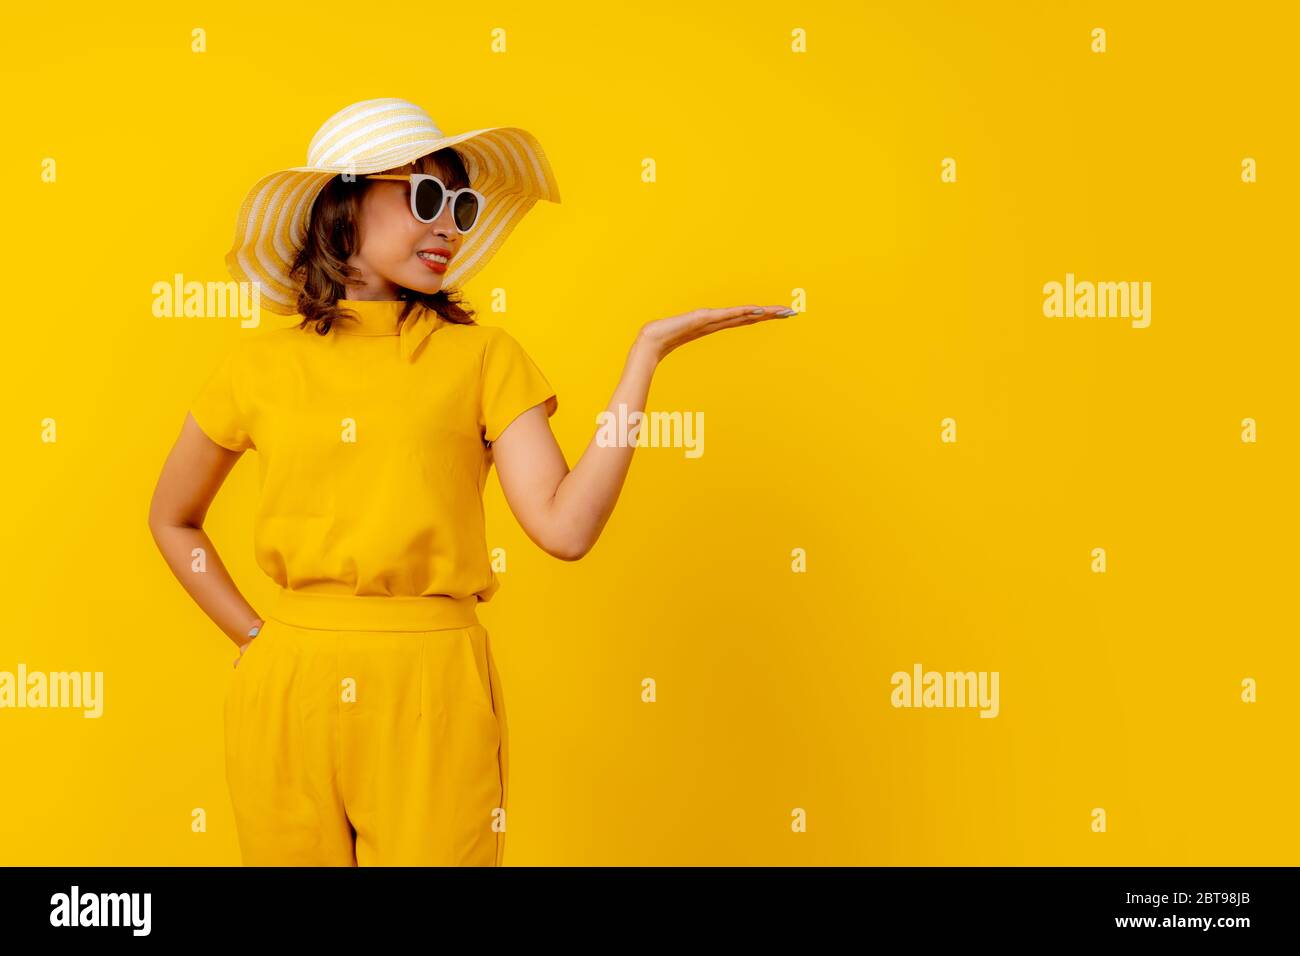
x,y
368,731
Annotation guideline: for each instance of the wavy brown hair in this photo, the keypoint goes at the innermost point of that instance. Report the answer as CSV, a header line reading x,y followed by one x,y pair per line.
x,y
321,266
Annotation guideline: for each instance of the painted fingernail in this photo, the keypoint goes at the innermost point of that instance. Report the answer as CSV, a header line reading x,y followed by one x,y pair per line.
x,y
784,313
755,311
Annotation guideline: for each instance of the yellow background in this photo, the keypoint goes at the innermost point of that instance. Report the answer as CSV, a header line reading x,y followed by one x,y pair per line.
x,y
776,171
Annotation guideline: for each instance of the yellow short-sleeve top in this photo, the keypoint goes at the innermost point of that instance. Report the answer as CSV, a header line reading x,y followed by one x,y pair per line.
x,y
373,443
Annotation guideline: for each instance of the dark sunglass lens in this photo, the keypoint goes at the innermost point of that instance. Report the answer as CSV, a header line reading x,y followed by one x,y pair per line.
x,y
466,211
428,200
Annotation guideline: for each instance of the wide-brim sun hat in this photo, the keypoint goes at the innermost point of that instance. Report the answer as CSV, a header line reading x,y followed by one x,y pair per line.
x,y
506,164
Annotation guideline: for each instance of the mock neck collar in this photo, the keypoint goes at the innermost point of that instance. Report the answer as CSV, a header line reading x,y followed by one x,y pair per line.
x,y
380,317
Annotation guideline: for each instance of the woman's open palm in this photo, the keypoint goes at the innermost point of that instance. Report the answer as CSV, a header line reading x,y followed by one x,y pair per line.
x,y
667,334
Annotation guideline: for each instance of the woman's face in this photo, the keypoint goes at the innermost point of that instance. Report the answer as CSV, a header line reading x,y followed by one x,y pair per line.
x,y
396,249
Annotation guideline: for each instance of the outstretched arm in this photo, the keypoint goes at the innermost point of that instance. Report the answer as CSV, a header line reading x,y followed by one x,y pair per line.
x,y
564,511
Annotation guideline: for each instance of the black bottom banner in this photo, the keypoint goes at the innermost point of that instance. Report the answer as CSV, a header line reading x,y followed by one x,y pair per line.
x,y
616,905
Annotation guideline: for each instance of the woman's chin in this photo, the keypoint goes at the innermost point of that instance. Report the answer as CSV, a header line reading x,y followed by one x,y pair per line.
x,y
424,281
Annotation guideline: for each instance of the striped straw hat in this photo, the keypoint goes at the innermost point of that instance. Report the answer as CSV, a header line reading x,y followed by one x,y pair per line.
x,y
505,164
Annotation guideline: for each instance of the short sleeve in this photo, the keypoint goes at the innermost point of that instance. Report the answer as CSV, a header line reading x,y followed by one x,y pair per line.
x,y
511,384
217,407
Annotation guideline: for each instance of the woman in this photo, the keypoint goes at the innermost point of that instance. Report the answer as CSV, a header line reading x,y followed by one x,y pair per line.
x,y
366,724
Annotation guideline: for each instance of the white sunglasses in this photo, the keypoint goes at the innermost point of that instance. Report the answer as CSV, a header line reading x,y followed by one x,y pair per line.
x,y
429,194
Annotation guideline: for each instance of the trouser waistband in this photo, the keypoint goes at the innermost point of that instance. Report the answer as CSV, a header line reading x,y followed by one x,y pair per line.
x,y
366,612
